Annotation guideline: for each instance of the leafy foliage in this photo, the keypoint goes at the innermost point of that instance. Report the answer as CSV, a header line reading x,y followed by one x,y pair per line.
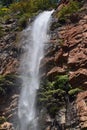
x,y
71,8
3,11
74,91
22,10
52,94
62,82
31,6
22,22
7,82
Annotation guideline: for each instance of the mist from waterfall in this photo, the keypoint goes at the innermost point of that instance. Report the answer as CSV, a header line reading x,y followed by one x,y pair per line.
x,y
35,37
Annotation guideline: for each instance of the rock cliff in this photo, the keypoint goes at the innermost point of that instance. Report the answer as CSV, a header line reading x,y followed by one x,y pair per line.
x,y
67,54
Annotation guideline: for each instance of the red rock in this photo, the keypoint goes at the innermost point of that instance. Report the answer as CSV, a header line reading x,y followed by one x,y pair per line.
x,y
81,103
7,126
81,96
60,7
55,71
78,78
58,56
11,67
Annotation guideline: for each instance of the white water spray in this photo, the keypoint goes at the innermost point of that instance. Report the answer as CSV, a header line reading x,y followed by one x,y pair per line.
x,y
35,42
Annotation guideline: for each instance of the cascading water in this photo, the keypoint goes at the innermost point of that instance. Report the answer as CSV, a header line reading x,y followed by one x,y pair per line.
x,y
35,37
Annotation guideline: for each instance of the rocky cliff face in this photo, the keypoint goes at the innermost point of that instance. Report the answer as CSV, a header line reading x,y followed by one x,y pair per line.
x,y
8,48
9,81
66,54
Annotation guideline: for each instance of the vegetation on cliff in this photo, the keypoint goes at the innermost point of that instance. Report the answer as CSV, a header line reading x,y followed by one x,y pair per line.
x,y
8,83
23,10
53,94
69,9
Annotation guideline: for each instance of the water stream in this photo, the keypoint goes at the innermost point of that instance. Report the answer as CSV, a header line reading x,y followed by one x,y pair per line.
x,y
35,39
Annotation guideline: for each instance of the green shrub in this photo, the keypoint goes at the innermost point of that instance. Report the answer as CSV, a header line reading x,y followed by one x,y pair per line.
x,y
55,88
23,10
71,8
31,6
51,94
4,11
61,82
75,91
22,22
7,82
18,7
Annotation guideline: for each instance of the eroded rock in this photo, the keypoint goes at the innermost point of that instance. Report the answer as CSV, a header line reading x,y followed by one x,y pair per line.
x,y
7,126
81,102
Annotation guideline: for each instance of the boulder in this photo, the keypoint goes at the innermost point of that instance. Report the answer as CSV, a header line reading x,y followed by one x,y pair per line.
x,y
7,126
81,103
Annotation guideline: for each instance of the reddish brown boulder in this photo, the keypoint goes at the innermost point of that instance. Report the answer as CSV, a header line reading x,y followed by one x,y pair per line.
x,y
78,78
58,56
55,71
81,103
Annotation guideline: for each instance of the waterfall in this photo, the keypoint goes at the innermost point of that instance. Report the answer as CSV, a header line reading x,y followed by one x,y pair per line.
x,y
34,41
